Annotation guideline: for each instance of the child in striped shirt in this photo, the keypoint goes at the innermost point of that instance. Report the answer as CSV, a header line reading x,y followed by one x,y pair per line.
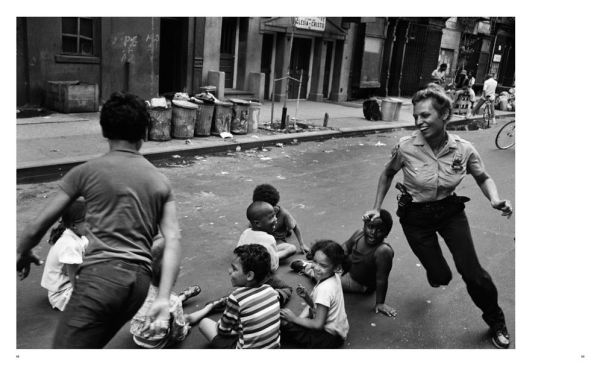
x,y
251,316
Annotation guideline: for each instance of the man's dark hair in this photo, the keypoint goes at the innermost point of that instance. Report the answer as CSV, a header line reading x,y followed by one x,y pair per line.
x,y
255,258
124,117
266,193
331,249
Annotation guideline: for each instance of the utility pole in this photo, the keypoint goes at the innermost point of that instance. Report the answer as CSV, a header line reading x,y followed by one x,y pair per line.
x,y
284,110
406,39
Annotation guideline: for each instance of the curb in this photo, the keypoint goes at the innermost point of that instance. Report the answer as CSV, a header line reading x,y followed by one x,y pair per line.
x,y
45,171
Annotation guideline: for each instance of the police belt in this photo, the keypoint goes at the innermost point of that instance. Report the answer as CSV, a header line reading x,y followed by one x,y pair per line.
x,y
439,204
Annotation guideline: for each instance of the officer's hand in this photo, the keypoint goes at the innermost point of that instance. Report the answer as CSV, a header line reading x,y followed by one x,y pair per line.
x,y
24,262
504,206
370,215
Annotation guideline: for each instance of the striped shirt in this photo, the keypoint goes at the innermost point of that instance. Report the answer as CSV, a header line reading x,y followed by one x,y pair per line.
x,y
252,314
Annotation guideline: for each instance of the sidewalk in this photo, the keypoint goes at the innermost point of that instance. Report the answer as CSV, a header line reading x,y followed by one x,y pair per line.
x,y
55,143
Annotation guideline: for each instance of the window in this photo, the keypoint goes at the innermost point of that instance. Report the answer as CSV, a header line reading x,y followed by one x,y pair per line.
x,y
78,36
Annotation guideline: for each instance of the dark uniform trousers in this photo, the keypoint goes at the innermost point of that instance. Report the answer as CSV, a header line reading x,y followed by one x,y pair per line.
x,y
420,222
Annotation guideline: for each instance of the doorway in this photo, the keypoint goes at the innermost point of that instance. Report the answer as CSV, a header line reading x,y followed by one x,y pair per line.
x,y
229,41
300,64
327,73
266,60
173,53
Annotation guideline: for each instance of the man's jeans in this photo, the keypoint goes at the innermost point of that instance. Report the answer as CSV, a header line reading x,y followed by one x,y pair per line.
x,y
106,296
449,220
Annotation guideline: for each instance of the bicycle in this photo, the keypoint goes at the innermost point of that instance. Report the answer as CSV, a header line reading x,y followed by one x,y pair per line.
x,y
487,112
505,138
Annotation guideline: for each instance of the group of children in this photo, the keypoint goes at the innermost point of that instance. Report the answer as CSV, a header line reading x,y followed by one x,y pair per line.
x,y
254,313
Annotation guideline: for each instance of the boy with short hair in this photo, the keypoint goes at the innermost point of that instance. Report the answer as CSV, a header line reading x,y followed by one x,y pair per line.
x,y
261,216
285,225
251,317
368,262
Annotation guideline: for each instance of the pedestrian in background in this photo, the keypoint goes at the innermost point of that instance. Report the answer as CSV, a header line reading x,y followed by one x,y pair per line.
x,y
433,163
438,76
489,92
127,201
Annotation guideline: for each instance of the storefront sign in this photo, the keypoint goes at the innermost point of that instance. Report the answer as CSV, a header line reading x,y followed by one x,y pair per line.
x,y
497,57
310,23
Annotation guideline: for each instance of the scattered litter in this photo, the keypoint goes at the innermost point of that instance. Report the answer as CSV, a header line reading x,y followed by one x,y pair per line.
x,y
251,151
198,157
54,150
265,158
418,265
212,223
254,136
238,149
428,301
221,216
301,206
249,180
187,141
265,150
379,143
327,151
230,154
360,144
373,324
281,177
224,172
295,140
315,161
279,144
225,135
176,156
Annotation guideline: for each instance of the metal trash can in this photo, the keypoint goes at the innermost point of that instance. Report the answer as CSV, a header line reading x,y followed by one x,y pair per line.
x,y
204,116
253,116
388,108
397,109
184,119
221,118
239,116
160,123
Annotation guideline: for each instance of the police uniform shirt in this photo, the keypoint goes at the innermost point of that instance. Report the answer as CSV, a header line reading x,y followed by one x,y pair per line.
x,y
429,177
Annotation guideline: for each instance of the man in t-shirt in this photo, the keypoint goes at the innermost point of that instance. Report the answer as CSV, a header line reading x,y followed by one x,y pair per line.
x,y
128,202
438,76
489,92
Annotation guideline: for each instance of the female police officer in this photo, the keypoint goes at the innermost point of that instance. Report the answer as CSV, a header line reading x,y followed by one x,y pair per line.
x,y
434,162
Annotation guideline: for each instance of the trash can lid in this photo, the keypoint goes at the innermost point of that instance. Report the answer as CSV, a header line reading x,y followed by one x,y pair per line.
x,y
388,99
238,101
184,104
393,99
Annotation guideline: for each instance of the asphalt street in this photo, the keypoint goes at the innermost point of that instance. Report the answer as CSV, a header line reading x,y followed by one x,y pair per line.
x,y
326,186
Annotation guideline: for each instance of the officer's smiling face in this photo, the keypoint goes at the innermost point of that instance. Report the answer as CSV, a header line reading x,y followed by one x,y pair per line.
x,y
428,120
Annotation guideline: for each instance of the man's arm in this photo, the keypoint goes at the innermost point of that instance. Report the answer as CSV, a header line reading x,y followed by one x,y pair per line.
x,y
169,228
35,230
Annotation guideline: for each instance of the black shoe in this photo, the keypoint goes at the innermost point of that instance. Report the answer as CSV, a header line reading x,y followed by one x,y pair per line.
x,y
298,265
500,337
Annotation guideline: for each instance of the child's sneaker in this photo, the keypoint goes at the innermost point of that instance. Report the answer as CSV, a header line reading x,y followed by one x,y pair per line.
x,y
190,292
500,337
298,265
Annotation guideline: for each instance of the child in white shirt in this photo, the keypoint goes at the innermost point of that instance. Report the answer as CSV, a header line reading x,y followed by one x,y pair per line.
x,y
65,255
323,323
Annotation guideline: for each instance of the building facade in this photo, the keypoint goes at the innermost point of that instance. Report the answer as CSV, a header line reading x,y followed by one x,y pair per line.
x,y
327,58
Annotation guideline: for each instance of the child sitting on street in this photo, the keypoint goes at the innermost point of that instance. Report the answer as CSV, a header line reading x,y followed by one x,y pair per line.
x,y
261,216
323,323
368,262
251,316
178,326
285,222
65,255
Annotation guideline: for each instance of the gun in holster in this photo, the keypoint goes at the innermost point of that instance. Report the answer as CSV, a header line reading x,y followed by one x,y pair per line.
x,y
404,200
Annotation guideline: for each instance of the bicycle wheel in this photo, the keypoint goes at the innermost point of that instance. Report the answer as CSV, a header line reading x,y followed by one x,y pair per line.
x,y
505,138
